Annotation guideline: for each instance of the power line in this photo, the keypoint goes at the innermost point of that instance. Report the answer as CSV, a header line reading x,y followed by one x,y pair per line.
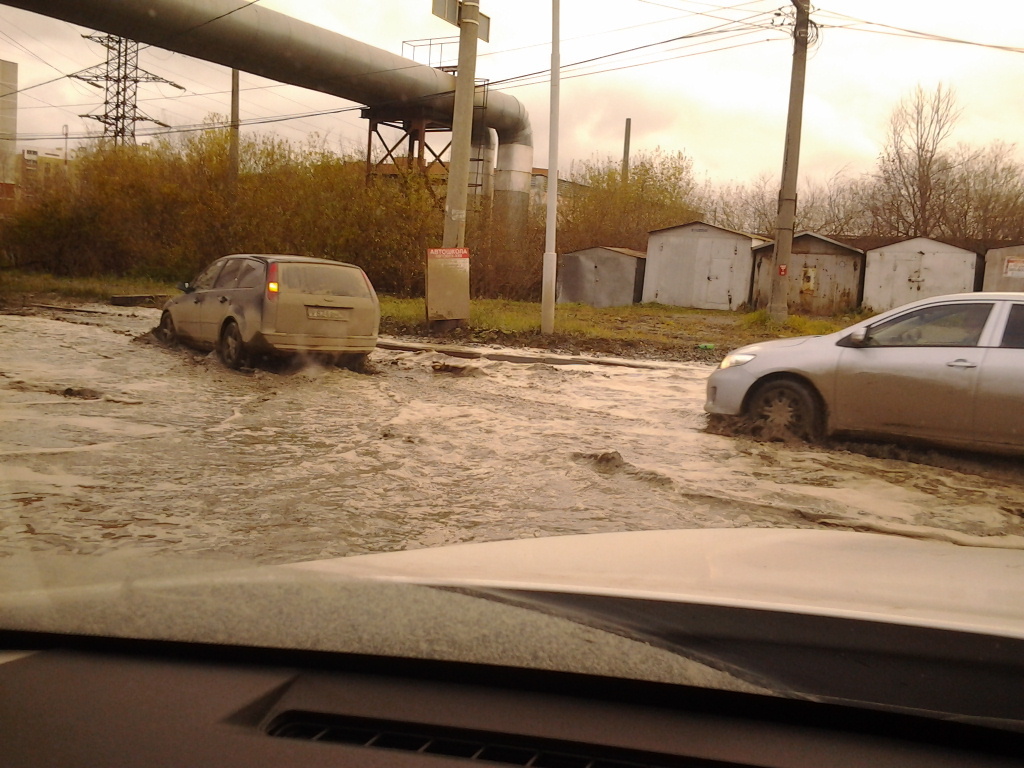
x,y
720,30
912,33
171,37
501,85
642,63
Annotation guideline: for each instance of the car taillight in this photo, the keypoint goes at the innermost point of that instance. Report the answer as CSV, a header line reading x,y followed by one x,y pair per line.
x,y
273,286
369,286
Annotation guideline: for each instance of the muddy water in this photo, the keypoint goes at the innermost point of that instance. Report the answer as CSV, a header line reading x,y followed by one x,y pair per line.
x,y
110,443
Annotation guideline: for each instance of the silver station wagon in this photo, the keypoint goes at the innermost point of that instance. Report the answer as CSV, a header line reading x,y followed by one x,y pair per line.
x,y
947,370
247,305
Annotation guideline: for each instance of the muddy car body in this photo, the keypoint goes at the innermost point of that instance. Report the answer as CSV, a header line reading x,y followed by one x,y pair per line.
x,y
247,305
947,370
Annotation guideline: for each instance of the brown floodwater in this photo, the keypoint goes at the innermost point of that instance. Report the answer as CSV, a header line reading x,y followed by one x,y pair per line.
x,y
114,443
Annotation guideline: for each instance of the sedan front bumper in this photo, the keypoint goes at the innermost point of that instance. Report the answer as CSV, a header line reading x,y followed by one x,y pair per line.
x,y
727,389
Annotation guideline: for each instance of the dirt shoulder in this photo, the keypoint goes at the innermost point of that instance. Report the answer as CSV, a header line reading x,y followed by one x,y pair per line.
x,y
684,348
656,334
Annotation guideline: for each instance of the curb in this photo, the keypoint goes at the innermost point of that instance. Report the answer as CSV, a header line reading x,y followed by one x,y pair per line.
x,y
504,356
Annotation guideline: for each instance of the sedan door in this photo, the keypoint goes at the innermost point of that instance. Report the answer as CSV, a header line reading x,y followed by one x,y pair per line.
x,y
999,405
915,375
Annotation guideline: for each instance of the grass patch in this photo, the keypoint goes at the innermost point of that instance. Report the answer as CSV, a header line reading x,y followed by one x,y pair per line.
x,y
760,321
500,317
15,284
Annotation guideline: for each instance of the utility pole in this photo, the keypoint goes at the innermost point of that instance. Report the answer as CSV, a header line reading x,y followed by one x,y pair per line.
x,y
550,266
462,128
778,305
233,133
625,154
447,269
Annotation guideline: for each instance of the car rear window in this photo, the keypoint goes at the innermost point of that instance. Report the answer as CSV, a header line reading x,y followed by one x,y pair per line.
x,y
335,280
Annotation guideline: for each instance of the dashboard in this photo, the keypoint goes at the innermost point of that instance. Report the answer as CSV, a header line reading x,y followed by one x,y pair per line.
x,y
91,701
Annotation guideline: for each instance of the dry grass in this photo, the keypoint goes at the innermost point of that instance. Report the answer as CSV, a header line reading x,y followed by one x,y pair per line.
x,y
648,330
18,287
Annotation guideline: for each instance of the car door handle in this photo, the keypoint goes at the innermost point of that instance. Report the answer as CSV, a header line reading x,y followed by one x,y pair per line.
x,y
961,363
223,299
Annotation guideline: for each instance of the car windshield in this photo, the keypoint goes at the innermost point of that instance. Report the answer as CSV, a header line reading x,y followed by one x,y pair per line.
x,y
657,431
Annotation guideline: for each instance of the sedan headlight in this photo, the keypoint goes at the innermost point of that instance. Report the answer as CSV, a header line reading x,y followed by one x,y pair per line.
x,y
740,358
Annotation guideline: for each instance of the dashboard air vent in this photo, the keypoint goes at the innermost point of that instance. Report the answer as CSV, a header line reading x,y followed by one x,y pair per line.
x,y
499,748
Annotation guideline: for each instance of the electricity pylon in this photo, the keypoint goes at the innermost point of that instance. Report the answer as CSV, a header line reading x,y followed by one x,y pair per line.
x,y
120,76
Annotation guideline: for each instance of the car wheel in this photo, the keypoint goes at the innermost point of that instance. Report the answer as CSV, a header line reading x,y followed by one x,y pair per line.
x,y
784,409
354,362
231,348
166,331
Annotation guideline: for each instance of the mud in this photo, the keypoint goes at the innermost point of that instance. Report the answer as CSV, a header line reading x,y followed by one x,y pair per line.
x,y
114,443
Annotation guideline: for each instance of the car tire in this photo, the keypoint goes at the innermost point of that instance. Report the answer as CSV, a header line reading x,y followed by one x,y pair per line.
x,y
230,346
784,409
354,361
165,331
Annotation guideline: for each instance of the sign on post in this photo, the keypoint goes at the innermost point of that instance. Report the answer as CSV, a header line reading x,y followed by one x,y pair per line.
x,y
449,11
447,284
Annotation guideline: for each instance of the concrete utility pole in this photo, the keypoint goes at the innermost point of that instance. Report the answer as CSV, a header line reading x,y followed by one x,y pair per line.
x,y
462,128
625,153
778,305
233,133
549,276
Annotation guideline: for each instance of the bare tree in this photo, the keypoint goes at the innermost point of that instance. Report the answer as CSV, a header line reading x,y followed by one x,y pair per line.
x,y
833,208
986,200
912,181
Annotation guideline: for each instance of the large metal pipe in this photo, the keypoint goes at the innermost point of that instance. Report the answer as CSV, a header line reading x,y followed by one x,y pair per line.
x,y
278,47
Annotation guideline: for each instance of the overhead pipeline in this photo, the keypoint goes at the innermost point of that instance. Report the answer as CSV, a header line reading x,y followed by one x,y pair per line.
x,y
273,45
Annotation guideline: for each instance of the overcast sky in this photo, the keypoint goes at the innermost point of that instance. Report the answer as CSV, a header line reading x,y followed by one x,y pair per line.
x,y
720,98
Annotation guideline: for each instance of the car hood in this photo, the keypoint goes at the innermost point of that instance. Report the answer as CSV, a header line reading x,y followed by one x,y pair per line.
x,y
828,616
795,341
833,573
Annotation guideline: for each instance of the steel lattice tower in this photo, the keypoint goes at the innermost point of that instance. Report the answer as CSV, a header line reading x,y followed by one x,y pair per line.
x,y
120,77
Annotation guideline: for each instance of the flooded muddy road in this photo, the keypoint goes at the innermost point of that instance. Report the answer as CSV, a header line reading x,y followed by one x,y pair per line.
x,y
112,443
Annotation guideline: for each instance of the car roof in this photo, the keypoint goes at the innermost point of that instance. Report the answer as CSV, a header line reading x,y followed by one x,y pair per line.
x,y
289,258
977,295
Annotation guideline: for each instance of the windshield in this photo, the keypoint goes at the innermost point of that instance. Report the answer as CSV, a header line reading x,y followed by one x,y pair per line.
x,y
245,467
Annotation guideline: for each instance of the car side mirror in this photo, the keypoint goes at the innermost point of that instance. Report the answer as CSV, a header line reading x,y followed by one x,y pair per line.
x,y
185,287
859,338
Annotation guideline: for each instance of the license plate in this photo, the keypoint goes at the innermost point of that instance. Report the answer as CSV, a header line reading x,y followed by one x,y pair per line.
x,y
326,313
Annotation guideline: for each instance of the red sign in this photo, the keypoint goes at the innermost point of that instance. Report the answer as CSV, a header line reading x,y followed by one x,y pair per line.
x,y
783,270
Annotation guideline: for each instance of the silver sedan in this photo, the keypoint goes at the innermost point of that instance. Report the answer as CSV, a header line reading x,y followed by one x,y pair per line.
x,y
947,370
